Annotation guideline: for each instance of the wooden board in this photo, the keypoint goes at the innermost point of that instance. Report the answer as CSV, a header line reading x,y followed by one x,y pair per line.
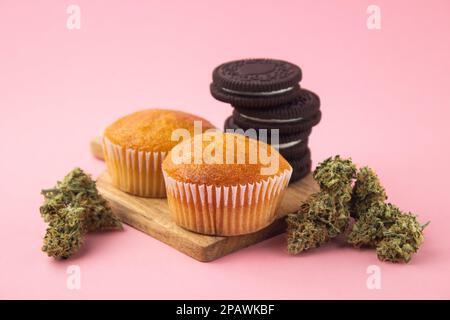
x,y
152,216
97,148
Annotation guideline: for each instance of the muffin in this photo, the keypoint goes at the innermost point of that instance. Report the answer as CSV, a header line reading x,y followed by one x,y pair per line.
x,y
135,146
224,184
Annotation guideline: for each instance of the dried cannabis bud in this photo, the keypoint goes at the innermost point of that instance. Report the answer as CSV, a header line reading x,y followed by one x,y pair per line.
x,y
325,214
369,229
401,240
73,208
335,174
366,192
64,236
322,217
304,233
395,235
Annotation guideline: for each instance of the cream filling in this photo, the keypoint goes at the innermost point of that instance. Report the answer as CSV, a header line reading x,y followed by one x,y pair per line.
x,y
262,94
286,145
271,120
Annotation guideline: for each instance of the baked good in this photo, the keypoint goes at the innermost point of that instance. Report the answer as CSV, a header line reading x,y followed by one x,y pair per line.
x,y
266,96
304,106
301,166
289,145
265,135
136,145
292,151
299,115
256,82
284,126
221,195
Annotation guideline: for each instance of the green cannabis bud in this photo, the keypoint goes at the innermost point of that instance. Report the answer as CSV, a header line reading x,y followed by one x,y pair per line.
x,y
395,235
325,214
335,174
366,192
304,233
369,229
64,236
401,239
322,217
73,208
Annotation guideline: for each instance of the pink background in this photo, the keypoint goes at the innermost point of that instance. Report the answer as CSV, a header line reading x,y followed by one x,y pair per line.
x,y
385,101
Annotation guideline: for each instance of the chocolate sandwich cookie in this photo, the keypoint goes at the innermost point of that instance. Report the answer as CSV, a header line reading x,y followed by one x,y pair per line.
x,y
293,150
299,115
301,166
304,106
285,141
284,125
300,170
256,82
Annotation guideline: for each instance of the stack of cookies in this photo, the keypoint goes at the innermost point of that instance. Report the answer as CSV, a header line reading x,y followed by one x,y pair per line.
x,y
266,94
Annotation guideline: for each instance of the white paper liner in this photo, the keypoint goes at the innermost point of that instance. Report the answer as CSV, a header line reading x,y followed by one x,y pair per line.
x,y
135,172
227,211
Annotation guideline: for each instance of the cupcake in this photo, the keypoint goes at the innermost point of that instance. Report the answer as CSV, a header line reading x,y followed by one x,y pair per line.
x,y
136,145
224,183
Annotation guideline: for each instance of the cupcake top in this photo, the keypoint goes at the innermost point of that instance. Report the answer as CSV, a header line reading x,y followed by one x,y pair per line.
x,y
223,159
151,130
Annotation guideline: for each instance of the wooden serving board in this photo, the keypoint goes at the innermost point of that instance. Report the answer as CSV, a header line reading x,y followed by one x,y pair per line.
x,y
152,216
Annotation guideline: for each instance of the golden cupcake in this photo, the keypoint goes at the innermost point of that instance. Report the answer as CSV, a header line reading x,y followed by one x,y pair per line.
x,y
224,184
136,145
